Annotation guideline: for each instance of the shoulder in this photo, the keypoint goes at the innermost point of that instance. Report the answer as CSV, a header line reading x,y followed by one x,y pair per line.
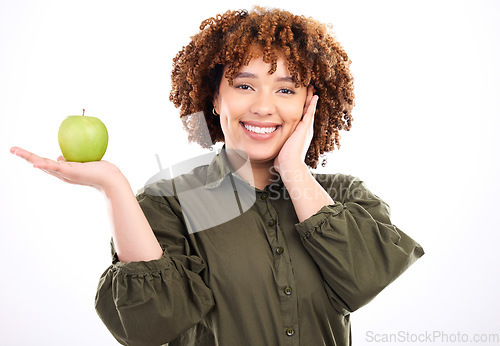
x,y
339,186
162,185
338,180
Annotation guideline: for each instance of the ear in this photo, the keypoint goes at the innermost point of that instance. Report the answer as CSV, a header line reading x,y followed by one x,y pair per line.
x,y
215,101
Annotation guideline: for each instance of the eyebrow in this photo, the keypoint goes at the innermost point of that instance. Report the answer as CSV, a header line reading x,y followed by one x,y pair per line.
x,y
251,75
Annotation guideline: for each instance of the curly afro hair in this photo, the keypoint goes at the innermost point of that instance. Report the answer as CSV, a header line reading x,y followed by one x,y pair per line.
x,y
313,55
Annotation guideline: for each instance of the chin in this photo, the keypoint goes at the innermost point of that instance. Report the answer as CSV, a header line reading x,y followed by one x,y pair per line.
x,y
259,156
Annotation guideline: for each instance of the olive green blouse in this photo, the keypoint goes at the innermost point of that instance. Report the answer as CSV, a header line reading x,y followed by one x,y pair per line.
x,y
240,269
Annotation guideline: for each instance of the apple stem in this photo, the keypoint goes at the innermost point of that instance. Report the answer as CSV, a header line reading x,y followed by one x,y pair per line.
x,y
83,113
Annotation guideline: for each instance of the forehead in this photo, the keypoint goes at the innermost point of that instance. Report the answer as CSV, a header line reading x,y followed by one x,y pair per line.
x,y
258,68
274,61
254,58
257,51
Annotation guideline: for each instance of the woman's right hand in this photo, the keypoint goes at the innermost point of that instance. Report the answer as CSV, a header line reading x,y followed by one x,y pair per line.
x,y
98,174
133,237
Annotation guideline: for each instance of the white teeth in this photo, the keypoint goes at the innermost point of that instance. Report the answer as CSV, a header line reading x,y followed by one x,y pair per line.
x,y
260,130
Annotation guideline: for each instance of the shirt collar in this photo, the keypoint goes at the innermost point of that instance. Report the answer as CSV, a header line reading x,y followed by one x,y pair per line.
x,y
219,169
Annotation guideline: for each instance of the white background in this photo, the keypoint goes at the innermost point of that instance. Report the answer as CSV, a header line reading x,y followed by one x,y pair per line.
x,y
426,116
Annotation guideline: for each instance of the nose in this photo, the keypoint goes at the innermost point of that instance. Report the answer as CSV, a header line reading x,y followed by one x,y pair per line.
x,y
263,104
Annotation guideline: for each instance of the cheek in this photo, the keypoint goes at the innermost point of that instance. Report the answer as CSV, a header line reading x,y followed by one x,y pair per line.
x,y
296,106
231,104
224,124
229,127
293,127
294,113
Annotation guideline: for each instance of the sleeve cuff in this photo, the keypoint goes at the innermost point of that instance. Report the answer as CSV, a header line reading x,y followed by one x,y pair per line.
x,y
306,227
144,267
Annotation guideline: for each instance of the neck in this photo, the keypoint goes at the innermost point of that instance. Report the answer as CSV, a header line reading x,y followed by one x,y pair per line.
x,y
257,174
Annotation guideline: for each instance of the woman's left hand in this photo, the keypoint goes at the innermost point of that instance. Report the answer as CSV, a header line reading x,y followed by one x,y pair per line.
x,y
293,152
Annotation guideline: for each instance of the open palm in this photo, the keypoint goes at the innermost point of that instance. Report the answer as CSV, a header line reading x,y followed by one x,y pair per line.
x,y
98,174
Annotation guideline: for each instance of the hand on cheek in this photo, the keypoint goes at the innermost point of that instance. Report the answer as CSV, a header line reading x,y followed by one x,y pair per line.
x,y
294,150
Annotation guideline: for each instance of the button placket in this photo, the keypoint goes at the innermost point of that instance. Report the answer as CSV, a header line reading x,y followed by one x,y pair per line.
x,y
284,278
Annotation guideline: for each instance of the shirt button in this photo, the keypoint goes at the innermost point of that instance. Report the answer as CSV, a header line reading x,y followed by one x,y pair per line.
x,y
288,290
272,222
279,250
290,331
264,196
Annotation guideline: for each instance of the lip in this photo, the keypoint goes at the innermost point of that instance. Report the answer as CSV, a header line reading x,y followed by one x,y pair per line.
x,y
260,136
260,124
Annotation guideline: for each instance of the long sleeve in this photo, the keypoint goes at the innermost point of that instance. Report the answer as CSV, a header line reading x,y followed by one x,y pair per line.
x,y
356,247
152,303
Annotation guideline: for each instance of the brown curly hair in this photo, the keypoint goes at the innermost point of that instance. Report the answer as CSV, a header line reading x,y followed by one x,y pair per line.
x,y
313,56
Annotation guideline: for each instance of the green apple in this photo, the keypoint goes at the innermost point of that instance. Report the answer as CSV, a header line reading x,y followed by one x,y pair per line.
x,y
83,138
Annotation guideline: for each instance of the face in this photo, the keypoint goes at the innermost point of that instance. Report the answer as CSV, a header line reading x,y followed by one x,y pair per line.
x,y
260,110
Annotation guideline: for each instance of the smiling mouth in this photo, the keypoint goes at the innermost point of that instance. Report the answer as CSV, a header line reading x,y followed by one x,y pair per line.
x,y
260,130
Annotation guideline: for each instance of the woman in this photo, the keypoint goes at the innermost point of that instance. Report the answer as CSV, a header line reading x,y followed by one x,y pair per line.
x,y
251,249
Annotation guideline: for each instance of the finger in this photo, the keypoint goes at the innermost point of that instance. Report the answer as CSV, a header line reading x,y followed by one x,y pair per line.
x,y
48,165
60,176
311,109
309,96
34,159
24,154
310,92
63,171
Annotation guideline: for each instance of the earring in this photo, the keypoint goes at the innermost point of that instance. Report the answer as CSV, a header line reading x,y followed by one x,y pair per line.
x,y
214,112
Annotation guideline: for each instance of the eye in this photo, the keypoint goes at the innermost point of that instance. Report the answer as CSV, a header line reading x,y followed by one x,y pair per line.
x,y
243,87
286,91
